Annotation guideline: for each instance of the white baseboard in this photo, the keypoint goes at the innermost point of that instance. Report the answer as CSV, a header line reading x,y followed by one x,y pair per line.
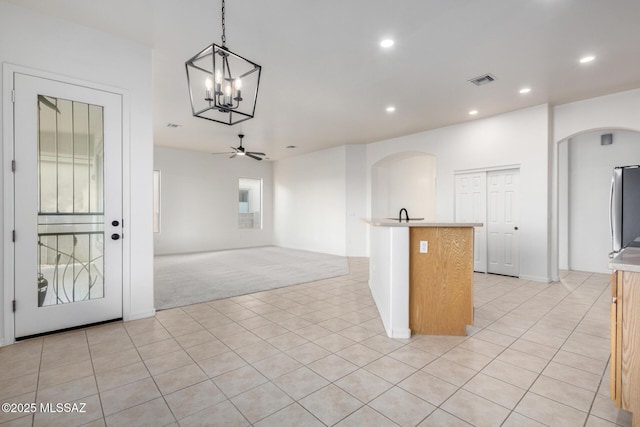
x,y
535,278
141,315
401,333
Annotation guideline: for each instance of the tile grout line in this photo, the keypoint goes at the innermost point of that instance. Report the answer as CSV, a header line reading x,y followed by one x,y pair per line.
x,y
558,350
308,291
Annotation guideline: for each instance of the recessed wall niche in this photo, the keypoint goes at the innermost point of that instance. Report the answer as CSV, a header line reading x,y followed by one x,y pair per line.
x,y
404,180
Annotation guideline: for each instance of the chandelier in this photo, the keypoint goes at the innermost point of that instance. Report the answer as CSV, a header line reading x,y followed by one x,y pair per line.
x,y
223,86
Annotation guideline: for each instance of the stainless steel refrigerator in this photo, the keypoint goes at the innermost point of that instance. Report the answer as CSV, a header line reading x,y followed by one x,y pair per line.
x,y
625,207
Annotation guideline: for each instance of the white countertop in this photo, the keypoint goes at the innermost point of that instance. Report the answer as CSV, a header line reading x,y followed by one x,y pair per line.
x,y
627,260
383,222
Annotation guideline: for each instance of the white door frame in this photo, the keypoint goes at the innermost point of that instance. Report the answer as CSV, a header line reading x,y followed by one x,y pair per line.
x,y
482,170
8,71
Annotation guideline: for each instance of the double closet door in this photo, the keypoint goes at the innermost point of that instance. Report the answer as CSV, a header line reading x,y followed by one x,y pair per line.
x,y
491,198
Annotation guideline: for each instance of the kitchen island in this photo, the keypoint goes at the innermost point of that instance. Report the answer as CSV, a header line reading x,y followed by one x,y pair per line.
x,y
421,276
625,332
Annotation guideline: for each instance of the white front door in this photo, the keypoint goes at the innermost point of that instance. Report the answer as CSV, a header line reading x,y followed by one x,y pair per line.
x,y
471,206
503,216
68,205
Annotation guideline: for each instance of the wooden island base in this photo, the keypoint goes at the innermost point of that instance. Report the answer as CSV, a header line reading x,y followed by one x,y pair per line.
x,y
441,280
625,332
625,342
428,292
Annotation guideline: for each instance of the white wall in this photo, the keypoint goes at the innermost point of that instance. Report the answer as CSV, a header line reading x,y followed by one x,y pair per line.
x,y
199,196
45,43
519,138
590,166
389,278
404,180
356,188
310,201
618,111
563,206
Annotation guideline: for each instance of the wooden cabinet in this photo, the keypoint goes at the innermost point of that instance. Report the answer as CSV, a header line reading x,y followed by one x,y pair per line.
x,y
625,342
441,280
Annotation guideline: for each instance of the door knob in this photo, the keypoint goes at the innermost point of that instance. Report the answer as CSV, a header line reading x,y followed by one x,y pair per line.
x,y
115,223
115,236
515,228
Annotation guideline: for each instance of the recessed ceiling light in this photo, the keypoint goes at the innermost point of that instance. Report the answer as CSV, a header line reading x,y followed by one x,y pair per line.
x,y
386,43
525,90
473,112
587,59
391,109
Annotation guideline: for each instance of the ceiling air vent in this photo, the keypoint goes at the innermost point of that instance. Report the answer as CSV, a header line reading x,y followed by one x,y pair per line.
x,y
482,80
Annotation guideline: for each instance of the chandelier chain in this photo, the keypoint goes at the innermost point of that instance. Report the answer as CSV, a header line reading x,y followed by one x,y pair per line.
x,y
224,37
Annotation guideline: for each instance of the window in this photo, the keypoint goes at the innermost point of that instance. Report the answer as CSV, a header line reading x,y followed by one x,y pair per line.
x,y
156,201
249,203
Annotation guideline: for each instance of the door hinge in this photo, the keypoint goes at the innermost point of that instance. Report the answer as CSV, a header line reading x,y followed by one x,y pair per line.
x,y
13,165
13,235
13,95
14,305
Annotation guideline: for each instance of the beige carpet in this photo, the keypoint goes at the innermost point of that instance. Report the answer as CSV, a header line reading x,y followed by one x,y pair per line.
x,y
191,278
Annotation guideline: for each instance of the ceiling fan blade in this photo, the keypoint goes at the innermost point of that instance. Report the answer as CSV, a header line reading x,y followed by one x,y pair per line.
x,y
257,153
252,156
224,152
233,155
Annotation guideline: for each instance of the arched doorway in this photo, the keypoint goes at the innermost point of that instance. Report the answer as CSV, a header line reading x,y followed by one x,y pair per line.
x,y
404,180
584,175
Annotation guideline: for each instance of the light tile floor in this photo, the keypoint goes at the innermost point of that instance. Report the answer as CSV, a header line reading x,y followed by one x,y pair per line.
x,y
316,354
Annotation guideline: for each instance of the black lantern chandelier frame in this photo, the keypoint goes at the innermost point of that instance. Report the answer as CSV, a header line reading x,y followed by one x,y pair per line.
x,y
223,86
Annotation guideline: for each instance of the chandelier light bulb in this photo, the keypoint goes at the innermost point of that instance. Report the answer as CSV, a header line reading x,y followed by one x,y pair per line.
x,y
238,84
208,96
386,43
218,77
227,94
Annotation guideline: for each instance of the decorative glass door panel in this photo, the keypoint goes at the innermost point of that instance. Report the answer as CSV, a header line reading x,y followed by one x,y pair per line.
x,y
70,201
68,186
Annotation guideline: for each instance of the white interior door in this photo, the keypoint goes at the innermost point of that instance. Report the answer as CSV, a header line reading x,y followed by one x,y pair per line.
x,y
502,225
68,205
471,206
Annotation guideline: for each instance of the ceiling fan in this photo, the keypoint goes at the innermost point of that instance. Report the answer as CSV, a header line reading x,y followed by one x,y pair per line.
x,y
240,151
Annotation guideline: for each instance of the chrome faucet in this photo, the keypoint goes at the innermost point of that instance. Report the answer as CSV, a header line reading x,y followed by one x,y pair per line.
x,y
400,215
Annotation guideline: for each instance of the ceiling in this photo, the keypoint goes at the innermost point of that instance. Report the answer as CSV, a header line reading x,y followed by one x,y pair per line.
x,y
326,81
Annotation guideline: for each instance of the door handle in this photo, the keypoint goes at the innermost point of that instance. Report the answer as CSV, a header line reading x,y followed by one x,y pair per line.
x,y
115,236
515,228
115,223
